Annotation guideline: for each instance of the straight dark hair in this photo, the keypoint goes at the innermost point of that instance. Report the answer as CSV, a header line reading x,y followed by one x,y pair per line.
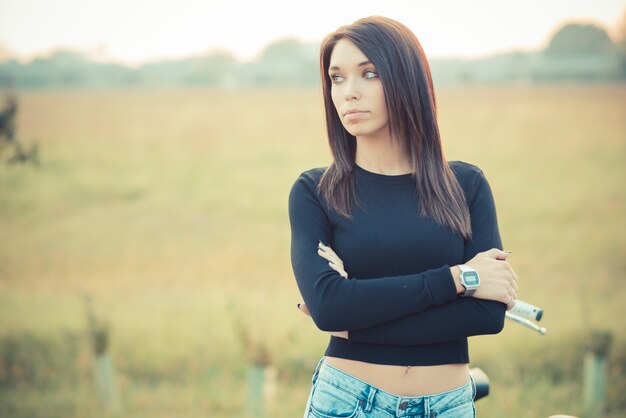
x,y
408,87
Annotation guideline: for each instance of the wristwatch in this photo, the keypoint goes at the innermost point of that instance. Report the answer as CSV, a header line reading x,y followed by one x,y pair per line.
x,y
469,279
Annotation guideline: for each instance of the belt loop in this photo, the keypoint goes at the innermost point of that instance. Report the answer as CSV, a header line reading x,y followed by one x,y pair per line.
x,y
473,387
427,406
370,398
317,370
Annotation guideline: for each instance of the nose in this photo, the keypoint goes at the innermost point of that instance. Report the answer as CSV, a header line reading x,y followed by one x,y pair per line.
x,y
351,91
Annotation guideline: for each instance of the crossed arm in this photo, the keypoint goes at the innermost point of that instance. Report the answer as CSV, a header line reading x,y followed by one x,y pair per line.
x,y
463,317
402,310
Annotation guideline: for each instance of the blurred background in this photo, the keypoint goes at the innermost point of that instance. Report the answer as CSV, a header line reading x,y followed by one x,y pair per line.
x,y
147,150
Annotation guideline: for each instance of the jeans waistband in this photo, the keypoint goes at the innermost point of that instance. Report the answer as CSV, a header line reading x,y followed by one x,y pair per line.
x,y
396,405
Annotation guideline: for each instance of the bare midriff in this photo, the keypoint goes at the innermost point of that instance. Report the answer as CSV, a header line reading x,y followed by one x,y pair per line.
x,y
405,380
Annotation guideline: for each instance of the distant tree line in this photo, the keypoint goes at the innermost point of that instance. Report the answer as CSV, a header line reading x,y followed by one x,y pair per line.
x,y
576,52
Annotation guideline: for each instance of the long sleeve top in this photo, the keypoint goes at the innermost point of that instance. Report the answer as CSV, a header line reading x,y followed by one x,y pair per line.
x,y
399,302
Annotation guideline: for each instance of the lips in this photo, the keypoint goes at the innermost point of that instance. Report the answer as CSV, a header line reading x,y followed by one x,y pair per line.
x,y
353,111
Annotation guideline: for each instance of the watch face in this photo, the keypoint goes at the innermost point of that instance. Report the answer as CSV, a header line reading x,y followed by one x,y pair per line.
x,y
470,278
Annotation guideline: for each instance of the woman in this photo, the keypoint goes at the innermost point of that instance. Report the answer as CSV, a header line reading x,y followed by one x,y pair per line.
x,y
381,236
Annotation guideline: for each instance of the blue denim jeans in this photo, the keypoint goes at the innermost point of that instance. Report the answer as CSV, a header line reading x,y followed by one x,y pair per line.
x,y
337,394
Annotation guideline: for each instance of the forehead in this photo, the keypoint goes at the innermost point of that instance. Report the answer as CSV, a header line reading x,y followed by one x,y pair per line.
x,y
346,54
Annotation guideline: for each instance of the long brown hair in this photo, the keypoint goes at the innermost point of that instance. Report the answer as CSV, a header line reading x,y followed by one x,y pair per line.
x,y
408,87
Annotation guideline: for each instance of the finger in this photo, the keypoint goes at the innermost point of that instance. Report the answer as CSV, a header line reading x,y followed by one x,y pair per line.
x,y
505,296
324,246
323,254
510,305
328,250
303,308
511,277
325,251
497,253
511,271
336,260
511,292
331,257
338,269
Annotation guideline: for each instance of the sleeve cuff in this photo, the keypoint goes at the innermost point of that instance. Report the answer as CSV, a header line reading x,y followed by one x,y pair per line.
x,y
441,285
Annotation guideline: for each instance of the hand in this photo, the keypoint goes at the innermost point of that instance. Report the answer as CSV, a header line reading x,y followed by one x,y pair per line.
x,y
336,264
333,260
305,310
498,280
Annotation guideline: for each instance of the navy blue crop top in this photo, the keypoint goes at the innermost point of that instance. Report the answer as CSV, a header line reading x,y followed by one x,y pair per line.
x,y
399,304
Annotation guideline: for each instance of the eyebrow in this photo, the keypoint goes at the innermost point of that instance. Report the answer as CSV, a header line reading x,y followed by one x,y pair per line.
x,y
334,67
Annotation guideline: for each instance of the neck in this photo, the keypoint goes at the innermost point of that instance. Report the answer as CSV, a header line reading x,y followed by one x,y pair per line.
x,y
380,154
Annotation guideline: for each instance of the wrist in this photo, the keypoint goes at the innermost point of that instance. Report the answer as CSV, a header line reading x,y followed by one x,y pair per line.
x,y
456,276
469,278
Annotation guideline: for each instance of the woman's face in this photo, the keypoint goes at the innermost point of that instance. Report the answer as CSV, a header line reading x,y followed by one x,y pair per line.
x,y
357,91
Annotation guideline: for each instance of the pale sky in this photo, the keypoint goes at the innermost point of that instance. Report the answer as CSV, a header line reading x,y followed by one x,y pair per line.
x,y
135,31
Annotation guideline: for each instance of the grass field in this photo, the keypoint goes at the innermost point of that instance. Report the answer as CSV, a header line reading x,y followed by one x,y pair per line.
x,y
169,209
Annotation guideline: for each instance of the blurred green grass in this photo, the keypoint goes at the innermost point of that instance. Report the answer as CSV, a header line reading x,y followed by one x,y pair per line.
x,y
170,209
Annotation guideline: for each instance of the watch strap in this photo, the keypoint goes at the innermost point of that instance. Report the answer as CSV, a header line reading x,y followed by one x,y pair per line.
x,y
468,292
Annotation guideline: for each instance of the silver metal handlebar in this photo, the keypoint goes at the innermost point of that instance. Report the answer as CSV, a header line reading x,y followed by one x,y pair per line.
x,y
525,322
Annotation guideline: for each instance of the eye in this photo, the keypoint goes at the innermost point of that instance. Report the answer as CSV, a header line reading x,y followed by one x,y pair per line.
x,y
370,73
336,78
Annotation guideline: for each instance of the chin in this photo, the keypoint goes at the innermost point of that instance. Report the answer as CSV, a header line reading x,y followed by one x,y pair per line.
x,y
362,132
356,130
364,129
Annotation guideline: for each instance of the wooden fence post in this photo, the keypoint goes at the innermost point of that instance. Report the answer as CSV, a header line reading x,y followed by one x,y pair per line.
x,y
102,366
595,374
